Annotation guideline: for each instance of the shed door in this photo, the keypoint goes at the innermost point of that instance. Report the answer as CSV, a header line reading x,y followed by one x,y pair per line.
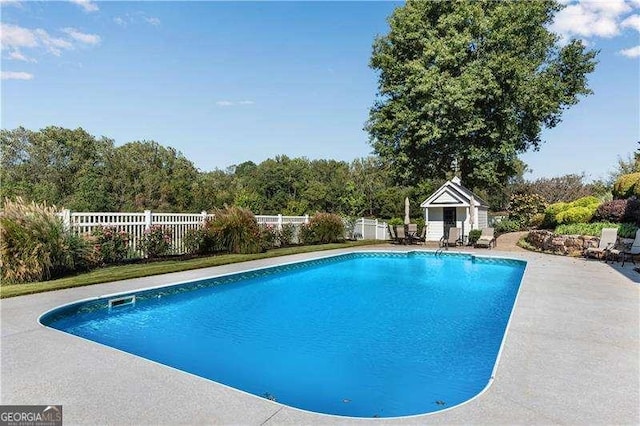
x,y
449,217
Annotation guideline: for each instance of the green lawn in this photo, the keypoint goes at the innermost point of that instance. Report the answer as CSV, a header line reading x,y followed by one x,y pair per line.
x,y
123,272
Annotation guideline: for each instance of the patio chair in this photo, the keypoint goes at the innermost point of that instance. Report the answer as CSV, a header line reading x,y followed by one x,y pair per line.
x,y
420,238
634,250
452,238
412,230
401,237
487,238
608,239
392,234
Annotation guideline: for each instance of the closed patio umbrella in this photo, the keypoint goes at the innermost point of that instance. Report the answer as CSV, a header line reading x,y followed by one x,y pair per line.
x,y
407,219
472,212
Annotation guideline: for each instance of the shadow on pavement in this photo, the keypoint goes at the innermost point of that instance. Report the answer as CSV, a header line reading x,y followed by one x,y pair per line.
x,y
629,270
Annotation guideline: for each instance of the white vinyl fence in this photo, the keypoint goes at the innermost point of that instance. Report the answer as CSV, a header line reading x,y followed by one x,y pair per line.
x,y
135,225
370,229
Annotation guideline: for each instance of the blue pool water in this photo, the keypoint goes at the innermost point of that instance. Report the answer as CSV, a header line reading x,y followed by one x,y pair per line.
x,y
363,334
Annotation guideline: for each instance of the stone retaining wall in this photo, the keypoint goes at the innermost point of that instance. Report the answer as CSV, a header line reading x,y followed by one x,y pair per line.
x,y
567,245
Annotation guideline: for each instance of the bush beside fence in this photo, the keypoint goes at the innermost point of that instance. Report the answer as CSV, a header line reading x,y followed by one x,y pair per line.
x,y
183,228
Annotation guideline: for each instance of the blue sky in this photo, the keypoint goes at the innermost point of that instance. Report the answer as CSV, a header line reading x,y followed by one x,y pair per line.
x,y
227,82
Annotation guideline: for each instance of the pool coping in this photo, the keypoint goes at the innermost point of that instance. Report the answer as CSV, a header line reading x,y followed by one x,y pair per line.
x,y
569,355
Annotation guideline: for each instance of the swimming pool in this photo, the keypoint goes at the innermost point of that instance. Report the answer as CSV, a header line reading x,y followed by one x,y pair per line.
x,y
367,334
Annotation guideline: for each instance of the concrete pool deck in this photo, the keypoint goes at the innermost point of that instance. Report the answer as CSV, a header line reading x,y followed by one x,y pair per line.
x,y
571,356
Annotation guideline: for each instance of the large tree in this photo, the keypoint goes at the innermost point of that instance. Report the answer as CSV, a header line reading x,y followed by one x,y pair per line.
x,y
146,175
466,86
61,166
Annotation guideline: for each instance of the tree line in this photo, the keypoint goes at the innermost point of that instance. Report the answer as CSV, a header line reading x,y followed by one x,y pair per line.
x,y
73,169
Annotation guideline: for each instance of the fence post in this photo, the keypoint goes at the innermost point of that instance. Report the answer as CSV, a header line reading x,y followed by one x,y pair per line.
x,y
306,218
66,219
377,229
204,216
362,228
280,222
147,219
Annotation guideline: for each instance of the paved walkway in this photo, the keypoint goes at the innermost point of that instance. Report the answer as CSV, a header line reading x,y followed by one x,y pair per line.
x,y
571,356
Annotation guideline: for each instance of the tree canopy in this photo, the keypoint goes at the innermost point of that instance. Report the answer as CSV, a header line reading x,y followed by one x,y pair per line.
x,y
466,86
73,169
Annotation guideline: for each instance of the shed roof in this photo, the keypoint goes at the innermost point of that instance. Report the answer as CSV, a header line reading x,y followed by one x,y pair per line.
x,y
453,194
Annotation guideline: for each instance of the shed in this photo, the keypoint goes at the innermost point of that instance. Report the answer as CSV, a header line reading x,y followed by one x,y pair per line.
x,y
453,205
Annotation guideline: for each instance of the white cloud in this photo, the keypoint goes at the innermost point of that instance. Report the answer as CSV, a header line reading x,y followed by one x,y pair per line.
x,y
588,18
230,103
632,52
16,75
14,39
18,56
607,7
12,36
10,3
82,37
86,5
136,17
53,44
632,21
152,20
576,19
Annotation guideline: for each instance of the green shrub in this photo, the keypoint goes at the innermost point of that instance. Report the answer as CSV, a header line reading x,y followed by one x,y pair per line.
x,y
307,236
507,225
627,186
156,241
522,207
575,215
82,252
269,236
578,211
550,214
286,234
34,245
199,241
625,230
395,221
589,201
536,220
111,245
474,234
322,228
235,230
556,208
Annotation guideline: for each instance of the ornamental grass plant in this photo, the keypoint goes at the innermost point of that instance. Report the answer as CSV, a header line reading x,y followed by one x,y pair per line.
x,y
323,228
235,230
34,245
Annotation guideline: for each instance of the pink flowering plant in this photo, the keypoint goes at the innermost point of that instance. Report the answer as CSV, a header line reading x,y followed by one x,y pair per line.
x,y
156,241
269,236
286,234
109,244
